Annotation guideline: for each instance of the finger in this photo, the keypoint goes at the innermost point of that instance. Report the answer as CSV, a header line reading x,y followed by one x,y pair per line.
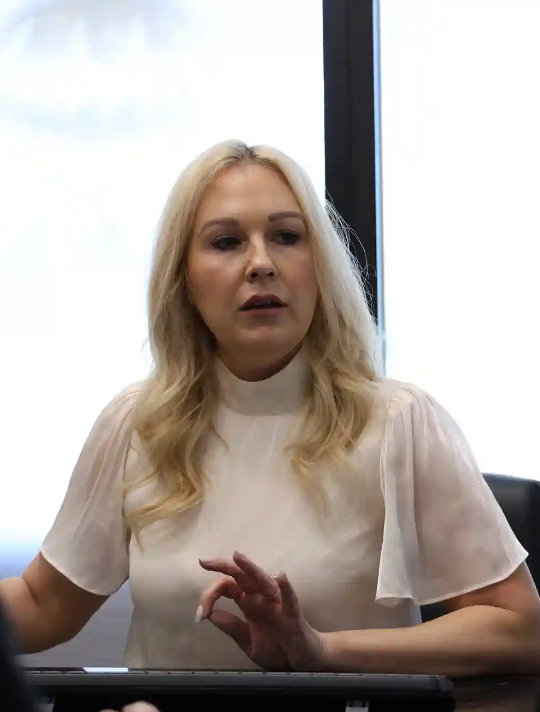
x,y
229,568
265,584
223,586
290,605
237,629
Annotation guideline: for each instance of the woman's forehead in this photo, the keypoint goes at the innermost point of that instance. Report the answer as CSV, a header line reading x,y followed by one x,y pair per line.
x,y
246,184
246,187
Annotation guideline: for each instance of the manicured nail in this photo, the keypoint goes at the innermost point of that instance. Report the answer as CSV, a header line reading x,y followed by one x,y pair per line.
x,y
198,614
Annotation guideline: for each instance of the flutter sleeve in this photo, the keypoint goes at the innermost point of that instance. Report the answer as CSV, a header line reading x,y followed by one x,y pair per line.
x,y
444,532
88,541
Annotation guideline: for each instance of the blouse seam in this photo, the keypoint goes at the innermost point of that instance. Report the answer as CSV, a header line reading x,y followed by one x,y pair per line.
x,y
393,398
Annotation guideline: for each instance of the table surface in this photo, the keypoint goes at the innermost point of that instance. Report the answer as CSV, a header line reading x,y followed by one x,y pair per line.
x,y
503,693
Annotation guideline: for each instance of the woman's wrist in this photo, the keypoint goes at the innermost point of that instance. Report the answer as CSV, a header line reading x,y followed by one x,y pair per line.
x,y
317,655
327,659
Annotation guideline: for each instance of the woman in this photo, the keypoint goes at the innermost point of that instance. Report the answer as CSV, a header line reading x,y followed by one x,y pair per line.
x,y
266,429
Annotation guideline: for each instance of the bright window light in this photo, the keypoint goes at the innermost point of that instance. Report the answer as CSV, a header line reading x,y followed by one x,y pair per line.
x,y
101,106
460,113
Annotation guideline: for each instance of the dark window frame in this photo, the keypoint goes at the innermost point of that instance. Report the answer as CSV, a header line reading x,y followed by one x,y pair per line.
x,y
352,132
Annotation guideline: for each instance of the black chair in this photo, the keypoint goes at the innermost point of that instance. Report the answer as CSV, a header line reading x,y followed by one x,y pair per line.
x,y
519,499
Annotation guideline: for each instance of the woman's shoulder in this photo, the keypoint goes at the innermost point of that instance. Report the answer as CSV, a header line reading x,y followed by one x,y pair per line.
x,y
121,403
130,392
406,408
391,391
399,404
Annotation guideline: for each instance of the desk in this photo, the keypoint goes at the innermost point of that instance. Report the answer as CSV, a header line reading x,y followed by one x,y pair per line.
x,y
503,693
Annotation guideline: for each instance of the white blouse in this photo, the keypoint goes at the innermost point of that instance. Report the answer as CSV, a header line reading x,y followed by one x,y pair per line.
x,y
415,524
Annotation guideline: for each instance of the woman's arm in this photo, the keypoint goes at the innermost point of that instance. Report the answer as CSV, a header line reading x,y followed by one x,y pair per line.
x,y
490,630
44,607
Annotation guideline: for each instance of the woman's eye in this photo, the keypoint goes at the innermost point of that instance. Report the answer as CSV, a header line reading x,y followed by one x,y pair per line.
x,y
227,242
291,237
220,242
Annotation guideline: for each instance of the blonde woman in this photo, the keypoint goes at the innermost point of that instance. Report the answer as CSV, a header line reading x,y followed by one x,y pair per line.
x,y
274,501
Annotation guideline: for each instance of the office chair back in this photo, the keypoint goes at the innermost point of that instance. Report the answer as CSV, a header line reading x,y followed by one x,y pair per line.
x,y
519,499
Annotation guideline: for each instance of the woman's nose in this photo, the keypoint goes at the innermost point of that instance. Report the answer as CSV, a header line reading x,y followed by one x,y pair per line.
x,y
255,272
260,262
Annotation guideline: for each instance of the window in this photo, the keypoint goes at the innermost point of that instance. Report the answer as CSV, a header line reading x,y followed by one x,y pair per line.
x,y
101,106
460,113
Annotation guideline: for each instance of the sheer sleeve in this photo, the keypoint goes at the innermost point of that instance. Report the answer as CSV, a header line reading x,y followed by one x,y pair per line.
x,y
88,541
444,532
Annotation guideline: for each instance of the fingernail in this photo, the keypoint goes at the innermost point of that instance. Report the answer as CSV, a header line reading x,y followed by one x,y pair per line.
x,y
198,614
204,562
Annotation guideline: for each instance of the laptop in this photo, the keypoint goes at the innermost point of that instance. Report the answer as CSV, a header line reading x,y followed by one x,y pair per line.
x,y
92,689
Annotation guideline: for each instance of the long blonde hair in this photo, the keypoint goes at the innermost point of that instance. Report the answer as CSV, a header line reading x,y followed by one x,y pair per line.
x,y
174,411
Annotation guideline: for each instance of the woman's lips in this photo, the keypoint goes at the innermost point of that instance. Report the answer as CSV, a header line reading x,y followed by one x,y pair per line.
x,y
264,310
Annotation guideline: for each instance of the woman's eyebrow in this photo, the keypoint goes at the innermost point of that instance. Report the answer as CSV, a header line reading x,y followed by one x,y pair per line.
x,y
220,221
234,221
285,214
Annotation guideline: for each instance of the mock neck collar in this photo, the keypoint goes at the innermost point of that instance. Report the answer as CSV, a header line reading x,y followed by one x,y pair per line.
x,y
284,392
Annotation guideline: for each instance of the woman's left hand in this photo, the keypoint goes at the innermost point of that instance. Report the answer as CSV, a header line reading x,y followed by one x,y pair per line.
x,y
274,635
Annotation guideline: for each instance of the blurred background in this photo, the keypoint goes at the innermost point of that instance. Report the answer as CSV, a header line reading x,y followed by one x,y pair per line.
x,y
418,119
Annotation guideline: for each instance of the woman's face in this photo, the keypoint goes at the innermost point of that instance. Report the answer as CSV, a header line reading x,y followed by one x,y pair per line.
x,y
250,238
